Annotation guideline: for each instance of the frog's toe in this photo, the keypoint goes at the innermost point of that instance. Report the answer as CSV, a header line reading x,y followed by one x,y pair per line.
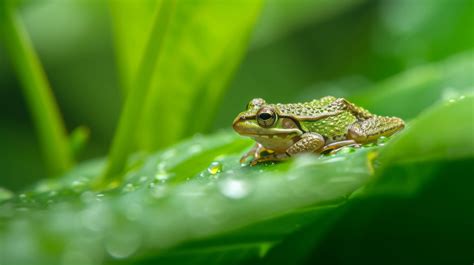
x,y
243,159
252,153
274,157
335,151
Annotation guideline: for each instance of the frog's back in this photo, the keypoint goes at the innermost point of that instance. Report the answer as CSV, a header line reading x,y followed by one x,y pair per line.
x,y
307,109
332,127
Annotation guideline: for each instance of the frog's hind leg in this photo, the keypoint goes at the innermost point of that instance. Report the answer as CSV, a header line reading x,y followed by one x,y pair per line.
x,y
309,143
372,128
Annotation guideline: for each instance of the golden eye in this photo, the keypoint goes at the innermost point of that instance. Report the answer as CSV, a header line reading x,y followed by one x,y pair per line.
x,y
266,117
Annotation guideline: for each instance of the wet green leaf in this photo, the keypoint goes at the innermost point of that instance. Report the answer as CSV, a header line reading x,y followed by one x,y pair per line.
x,y
173,198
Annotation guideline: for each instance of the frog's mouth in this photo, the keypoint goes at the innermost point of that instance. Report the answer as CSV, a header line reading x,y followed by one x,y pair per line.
x,y
251,129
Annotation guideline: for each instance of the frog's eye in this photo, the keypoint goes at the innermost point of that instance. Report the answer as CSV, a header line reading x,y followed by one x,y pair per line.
x,y
266,117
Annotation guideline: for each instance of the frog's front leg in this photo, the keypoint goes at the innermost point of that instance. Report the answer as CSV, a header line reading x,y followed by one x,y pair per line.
x,y
308,143
254,153
373,128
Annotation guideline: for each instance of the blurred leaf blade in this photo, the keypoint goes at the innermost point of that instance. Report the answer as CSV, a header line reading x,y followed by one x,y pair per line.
x,y
49,125
423,85
131,22
122,144
199,56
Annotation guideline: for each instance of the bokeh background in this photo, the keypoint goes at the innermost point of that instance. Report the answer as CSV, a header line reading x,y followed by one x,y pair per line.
x,y
299,50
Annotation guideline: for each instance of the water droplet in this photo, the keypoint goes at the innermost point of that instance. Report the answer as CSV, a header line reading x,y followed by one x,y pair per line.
x,y
161,167
78,185
122,244
370,145
162,176
382,140
214,168
143,179
99,196
129,187
234,188
23,197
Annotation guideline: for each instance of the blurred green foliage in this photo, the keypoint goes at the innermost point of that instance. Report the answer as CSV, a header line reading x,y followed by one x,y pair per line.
x,y
405,202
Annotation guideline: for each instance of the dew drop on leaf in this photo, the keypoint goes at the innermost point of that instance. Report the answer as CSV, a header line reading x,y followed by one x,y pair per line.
x,y
77,185
382,140
214,168
99,196
23,197
370,145
129,187
234,188
143,179
122,244
162,176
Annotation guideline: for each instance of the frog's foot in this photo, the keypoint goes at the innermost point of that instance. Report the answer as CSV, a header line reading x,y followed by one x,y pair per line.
x,y
336,146
254,153
274,157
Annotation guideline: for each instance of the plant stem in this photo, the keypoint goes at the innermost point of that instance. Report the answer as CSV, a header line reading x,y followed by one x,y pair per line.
x,y
128,123
37,92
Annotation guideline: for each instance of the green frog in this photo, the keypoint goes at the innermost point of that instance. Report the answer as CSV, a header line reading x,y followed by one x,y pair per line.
x,y
319,126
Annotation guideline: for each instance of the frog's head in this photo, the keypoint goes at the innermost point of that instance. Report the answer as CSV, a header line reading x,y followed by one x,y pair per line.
x,y
262,120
